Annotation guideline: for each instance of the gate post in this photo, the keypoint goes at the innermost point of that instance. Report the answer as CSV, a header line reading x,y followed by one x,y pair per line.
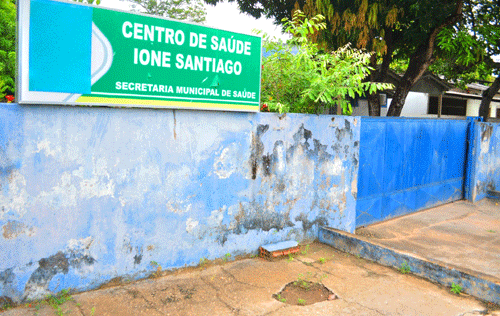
x,y
470,158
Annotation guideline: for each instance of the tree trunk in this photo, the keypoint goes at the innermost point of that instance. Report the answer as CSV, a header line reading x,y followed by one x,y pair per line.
x,y
373,98
488,94
374,104
380,74
402,90
420,61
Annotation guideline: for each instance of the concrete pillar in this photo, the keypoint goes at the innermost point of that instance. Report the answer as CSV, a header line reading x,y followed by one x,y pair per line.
x,y
440,104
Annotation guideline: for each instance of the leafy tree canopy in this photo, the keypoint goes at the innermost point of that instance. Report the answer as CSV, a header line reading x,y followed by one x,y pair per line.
x,y
469,47
298,77
386,28
190,10
96,2
7,47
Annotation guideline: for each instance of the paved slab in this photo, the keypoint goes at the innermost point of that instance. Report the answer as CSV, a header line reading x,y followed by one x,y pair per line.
x,y
245,287
459,234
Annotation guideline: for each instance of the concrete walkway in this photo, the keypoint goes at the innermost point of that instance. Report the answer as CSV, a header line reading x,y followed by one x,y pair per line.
x,y
246,286
460,234
454,244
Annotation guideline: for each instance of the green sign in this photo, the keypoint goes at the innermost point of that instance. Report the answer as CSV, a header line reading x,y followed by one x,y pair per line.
x,y
103,57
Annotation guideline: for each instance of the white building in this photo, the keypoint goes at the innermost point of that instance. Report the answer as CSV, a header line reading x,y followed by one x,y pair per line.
x,y
424,97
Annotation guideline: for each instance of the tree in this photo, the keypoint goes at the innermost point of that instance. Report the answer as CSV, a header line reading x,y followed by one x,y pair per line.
x,y
191,10
471,45
367,24
422,56
412,32
7,47
96,2
298,77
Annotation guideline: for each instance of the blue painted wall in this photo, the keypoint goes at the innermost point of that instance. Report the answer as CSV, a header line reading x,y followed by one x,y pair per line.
x,y
486,160
408,165
90,194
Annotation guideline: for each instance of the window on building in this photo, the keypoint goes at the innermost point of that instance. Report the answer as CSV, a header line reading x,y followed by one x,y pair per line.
x,y
451,106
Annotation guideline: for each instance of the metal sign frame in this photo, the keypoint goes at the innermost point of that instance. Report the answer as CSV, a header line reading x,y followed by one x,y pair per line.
x,y
77,54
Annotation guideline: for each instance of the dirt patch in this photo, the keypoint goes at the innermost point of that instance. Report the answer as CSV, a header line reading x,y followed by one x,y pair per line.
x,y
304,293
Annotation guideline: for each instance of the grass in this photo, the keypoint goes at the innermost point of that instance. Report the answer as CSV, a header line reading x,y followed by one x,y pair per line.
x,y
6,306
304,252
281,299
301,301
226,257
404,268
203,262
456,288
491,231
322,260
55,301
290,257
322,277
157,273
303,282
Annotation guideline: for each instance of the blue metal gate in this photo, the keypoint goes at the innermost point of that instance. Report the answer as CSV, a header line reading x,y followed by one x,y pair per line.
x,y
408,165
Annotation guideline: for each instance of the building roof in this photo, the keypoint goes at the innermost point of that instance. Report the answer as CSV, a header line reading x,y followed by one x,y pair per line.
x,y
428,83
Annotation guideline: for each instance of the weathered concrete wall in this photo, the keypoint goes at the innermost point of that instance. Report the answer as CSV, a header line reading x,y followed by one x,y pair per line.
x,y
90,194
486,160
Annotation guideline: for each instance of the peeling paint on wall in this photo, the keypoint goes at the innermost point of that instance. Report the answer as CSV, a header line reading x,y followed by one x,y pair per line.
x,y
487,160
37,285
114,189
14,228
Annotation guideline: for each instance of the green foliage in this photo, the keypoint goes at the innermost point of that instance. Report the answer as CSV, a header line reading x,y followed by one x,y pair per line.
x,y
301,301
158,267
322,260
311,81
281,299
226,257
6,306
203,262
456,289
399,65
364,23
467,47
306,249
7,47
404,268
305,282
55,301
460,42
96,2
190,10
302,282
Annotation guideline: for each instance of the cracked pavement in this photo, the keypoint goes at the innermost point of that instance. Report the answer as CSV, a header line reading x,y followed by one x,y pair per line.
x,y
246,286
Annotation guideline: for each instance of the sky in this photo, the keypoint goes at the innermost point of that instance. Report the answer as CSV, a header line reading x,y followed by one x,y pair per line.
x,y
225,16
